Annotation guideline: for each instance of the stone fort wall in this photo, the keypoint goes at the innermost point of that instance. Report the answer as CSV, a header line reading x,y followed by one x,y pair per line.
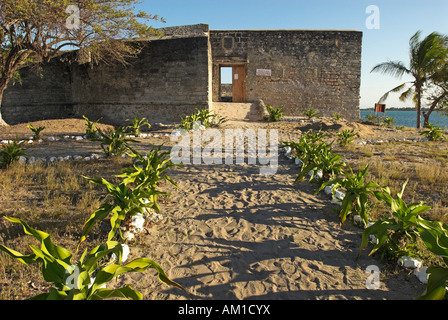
x,y
179,72
300,69
169,79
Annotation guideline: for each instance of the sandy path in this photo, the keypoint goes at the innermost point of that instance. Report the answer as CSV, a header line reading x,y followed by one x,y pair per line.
x,y
231,233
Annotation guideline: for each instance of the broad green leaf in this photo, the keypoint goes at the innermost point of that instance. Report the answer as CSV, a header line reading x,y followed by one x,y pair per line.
x,y
101,251
419,208
435,236
47,246
138,265
347,204
125,292
380,229
400,194
100,214
25,259
437,282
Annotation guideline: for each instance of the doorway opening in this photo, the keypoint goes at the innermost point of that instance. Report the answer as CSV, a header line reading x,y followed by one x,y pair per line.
x,y
226,75
232,80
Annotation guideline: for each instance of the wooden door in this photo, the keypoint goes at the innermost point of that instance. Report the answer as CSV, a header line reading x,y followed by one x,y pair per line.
x,y
239,76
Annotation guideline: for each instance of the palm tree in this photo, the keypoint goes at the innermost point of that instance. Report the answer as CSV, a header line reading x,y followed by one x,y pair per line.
x,y
427,58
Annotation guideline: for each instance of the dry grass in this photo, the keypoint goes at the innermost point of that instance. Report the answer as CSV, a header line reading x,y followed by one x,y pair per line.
x,y
425,165
54,198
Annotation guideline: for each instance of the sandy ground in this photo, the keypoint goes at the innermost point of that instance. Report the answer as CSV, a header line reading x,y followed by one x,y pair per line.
x,y
231,233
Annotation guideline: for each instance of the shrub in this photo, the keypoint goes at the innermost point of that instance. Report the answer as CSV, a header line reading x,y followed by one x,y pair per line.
x,y
322,160
310,114
274,114
356,192
90,130
433,133
315,136
135,194
388,121
395,235
149,170
309,145
11,152
205,117
36,131
114,142
201,117
345,137
136,125
376,119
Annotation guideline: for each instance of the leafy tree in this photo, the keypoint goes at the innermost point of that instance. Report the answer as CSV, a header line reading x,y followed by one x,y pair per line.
x,y
427,59
35,31
438,96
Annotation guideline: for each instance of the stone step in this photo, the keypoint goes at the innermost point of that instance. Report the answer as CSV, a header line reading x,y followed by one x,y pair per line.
x,y
238,111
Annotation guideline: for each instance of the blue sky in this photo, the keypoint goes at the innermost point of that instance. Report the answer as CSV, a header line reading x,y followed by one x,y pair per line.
x,y
398,19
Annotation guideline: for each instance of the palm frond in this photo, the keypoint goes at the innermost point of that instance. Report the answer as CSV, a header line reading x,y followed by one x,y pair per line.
x,y
394,68
414,43
407,94
429,55
396,89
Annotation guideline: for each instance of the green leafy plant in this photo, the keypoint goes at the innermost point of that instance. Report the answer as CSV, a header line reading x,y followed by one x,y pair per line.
x,y
395,235
86,279
275,114
202,117
149,171
322,160
435,236
136,125
90,130
313,136
135,194
337,115
309,145
433,133
345,137
114,142
36,131
205,117
356,193
11,152
126,202
388,121
189,122
376,119
380,120
311,113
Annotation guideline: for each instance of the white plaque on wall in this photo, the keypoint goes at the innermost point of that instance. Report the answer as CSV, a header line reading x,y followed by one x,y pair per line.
x,y
264,72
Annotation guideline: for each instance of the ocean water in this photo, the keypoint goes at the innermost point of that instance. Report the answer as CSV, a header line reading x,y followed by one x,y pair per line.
x,y
409,118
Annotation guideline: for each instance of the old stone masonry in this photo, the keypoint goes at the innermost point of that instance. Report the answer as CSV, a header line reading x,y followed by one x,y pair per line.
x,y
182,70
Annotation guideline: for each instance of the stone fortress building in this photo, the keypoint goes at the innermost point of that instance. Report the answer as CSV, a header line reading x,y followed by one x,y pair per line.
x,y
181,71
